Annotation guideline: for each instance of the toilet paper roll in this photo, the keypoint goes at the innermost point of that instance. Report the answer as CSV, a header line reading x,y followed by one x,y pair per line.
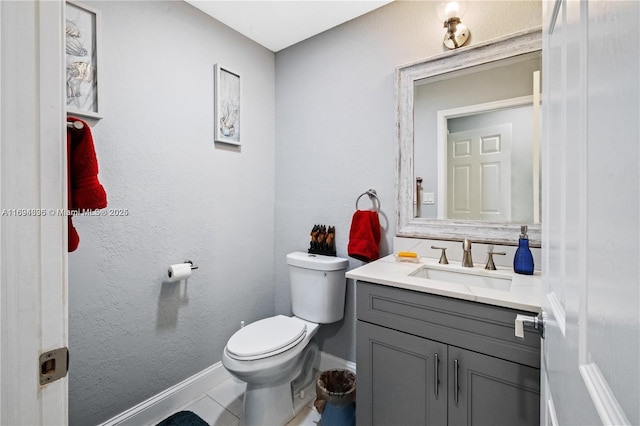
x,y
179,271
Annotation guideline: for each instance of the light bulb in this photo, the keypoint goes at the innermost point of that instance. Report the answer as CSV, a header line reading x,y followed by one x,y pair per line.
x,y
451,9
450,13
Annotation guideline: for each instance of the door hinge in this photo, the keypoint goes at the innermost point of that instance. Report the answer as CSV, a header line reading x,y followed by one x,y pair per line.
x,y
53,365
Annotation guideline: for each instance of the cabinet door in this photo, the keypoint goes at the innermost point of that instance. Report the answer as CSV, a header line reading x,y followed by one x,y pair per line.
x,y
491,391
396,378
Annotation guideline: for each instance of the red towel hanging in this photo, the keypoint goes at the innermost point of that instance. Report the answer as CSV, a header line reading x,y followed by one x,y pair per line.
x,y
85,192
364,236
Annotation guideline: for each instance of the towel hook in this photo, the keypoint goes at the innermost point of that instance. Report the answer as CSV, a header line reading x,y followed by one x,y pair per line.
x,y
75,125
373,195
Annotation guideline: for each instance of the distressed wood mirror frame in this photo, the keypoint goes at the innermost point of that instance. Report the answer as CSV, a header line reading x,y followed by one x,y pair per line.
x,y
406,76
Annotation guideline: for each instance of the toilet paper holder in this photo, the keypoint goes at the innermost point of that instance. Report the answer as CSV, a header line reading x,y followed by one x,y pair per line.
x,y
170,273
192,265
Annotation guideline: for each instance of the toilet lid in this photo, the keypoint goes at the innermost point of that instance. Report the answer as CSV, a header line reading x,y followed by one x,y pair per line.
x,y
266,337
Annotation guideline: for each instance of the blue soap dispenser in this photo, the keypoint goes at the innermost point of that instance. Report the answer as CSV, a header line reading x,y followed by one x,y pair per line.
x,y
523,260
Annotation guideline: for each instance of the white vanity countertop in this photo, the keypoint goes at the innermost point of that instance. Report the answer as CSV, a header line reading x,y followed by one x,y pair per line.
x,y
524,293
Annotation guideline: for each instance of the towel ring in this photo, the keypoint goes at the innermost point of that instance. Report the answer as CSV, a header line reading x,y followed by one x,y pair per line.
x,y
373,195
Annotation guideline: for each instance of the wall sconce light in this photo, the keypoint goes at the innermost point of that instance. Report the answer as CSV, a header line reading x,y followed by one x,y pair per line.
x,y
450,13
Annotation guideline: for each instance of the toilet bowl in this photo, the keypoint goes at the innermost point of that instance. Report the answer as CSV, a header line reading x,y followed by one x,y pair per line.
x,y
268,398
275,355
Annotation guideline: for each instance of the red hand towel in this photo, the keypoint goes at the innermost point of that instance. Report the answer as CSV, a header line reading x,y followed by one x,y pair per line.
x,y
364,236
85,192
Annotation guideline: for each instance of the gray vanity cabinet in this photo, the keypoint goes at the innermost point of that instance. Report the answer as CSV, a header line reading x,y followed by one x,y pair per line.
x,y
423,359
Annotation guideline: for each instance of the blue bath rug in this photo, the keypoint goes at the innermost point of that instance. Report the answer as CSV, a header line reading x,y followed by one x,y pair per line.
x,y
183,418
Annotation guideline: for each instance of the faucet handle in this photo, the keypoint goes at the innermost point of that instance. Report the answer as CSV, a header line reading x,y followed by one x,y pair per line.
x,y
490,265
443,257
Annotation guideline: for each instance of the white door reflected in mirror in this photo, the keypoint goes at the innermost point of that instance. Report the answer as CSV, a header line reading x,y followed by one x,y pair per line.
x,y
490,177
478,174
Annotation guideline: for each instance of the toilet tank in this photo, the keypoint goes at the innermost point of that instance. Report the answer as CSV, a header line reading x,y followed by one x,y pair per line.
x,y
318,286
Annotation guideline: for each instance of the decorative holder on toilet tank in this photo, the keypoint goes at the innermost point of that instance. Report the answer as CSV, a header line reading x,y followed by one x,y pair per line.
x,y
323,240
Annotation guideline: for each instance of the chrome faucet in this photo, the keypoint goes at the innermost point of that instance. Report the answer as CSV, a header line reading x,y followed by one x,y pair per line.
x,y
467,260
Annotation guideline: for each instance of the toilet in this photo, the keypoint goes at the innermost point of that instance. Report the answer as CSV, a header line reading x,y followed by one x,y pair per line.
x,y
275,355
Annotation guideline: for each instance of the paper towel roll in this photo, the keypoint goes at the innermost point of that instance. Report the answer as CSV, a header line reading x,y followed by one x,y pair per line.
x,y
179,271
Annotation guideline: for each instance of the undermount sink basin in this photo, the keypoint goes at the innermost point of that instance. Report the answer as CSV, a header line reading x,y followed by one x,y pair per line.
x,y
471,277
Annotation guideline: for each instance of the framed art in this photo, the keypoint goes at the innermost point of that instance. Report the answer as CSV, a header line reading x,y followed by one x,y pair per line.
x,y
226,106
82,61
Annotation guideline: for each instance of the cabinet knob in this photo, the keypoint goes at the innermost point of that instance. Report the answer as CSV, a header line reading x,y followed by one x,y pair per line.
x,y
456,388
436,381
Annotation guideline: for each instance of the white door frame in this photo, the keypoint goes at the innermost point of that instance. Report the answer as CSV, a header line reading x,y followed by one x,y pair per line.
x,y
33,243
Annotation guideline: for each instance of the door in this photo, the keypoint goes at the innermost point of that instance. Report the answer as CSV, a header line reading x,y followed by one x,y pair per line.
x,y
402,378
33,297
479,174
591,222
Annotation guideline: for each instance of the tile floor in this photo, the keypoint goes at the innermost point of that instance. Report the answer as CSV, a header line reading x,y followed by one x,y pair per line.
x,y
222,405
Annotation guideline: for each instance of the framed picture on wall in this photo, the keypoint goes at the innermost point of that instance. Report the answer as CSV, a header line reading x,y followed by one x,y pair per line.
x,y
82,62
226,106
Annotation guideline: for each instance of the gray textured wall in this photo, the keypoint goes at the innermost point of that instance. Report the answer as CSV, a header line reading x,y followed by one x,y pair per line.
x,y
131,336
335,121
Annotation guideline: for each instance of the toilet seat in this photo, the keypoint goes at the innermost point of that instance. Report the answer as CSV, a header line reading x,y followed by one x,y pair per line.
x,y
267,337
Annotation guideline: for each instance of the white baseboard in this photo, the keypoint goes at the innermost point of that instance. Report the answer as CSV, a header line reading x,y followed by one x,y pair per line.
x,y
167,402
329,362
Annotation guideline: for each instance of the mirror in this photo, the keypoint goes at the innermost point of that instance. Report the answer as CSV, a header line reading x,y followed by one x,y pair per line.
x,y
466,130
481,125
